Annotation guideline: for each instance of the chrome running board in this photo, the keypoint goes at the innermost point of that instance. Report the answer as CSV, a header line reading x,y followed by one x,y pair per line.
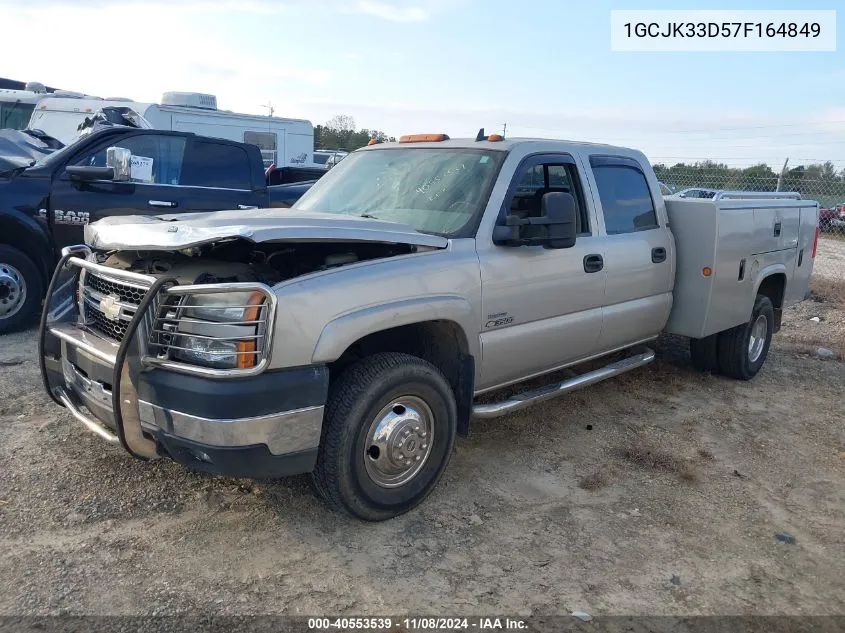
x,y
533,396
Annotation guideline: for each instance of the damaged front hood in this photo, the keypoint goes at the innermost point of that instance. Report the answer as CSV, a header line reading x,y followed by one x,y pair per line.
x,y
178,231
20,149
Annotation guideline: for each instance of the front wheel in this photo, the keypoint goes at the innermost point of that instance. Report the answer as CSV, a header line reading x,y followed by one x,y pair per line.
x,y
743,349
387,435
21,289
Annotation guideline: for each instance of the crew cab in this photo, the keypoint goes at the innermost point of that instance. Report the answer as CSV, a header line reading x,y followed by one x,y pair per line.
x,y
46,201
352,335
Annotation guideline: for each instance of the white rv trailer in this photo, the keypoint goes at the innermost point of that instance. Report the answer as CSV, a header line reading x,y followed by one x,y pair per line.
x,y
281,141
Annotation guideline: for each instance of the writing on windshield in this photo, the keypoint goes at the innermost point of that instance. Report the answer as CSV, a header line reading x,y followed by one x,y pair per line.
x,y
431,189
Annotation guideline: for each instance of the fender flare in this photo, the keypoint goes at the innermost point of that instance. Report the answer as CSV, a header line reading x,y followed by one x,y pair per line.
x,y
768,271
25,233
343,331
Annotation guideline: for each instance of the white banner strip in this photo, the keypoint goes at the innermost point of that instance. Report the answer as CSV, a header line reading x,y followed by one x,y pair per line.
x,y
711,30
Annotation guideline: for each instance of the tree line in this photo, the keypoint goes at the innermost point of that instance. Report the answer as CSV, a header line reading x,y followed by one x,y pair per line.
x,y
819,181
341,133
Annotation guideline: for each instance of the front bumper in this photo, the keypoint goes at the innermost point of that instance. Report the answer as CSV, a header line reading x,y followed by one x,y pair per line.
x,y
266,425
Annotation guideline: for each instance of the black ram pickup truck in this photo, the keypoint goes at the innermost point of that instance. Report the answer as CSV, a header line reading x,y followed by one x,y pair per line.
x,y
46,200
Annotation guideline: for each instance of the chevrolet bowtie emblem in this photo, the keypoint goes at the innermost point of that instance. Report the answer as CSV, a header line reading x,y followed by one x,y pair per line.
x,y
110,308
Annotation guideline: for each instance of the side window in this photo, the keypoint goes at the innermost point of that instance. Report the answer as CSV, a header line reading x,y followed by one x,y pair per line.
x,y
625,198
535,180
266,142
156,159
210,164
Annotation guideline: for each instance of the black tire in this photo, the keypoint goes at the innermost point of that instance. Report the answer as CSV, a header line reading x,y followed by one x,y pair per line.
x,y
355,401
704,353
735,357
21,289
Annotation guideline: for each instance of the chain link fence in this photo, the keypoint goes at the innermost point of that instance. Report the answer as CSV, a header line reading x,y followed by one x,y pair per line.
x,y
829,192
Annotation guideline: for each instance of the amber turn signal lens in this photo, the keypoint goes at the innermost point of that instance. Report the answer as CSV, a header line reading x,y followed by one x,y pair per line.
x,y
246,349
707,271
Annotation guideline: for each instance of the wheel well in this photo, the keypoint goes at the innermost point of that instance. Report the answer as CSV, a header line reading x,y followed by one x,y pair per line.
x,y
774,287
442,343
21,239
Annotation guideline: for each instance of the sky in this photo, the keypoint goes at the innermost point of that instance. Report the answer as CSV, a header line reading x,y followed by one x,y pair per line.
x,y
542,67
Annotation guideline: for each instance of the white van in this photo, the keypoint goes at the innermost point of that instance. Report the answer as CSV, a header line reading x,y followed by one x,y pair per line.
x,y
281,141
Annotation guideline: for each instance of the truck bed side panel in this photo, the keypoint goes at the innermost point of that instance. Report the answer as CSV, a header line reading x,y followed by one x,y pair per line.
x,y
696,248
741,241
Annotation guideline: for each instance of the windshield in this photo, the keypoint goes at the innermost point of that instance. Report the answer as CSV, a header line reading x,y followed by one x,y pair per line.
x,y
440,191
55,157
15,115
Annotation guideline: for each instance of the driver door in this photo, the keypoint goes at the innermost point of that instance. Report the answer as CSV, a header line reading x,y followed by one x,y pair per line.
x,y
541,307
76,203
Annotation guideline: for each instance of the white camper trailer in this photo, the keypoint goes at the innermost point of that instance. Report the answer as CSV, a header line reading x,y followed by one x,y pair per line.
x,y
281,141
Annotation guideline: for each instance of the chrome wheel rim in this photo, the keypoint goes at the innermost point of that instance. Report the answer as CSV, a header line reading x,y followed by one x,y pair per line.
x,y
757,338
399,442
12,290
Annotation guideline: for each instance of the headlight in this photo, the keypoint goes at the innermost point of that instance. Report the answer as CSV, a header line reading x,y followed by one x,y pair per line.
x,y
223,306
208,353
218,330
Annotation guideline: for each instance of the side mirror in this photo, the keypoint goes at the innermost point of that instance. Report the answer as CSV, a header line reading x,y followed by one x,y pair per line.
x,y
559,216
119,166
85,173
120,160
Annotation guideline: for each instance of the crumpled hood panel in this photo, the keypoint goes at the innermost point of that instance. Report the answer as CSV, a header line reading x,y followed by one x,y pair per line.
x,y
178,231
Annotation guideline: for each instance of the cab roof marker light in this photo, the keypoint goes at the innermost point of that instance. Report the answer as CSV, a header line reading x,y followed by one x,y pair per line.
x,y
423,138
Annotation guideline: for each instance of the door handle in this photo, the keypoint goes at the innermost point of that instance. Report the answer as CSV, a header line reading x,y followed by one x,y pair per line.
x,y
658,255
593,263
777,228
162,203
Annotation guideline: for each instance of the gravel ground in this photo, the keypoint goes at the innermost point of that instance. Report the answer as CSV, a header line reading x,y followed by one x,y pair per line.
x,y
830,258
592,502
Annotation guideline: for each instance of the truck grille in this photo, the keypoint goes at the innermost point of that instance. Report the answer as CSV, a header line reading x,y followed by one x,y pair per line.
x,y
121,307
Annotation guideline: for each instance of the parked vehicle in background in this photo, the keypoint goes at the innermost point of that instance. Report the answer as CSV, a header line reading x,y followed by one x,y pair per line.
x,y
328,158
696,192
833,218
281,141
344,336
46,200
16,107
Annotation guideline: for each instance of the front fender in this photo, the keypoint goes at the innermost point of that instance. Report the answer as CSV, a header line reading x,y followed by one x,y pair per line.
x,y
343,331
30,236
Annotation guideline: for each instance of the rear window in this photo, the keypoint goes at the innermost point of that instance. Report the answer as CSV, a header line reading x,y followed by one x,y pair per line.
x,y
209,164
625,198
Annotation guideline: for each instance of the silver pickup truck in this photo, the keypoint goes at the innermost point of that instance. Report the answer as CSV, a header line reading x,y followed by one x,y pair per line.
x,y
350,335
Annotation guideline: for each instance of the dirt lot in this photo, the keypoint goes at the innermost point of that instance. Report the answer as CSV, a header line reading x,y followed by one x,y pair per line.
x,y
830,258
592,502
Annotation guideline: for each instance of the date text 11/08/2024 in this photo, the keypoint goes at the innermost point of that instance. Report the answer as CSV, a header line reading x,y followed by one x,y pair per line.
x,y
417,624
